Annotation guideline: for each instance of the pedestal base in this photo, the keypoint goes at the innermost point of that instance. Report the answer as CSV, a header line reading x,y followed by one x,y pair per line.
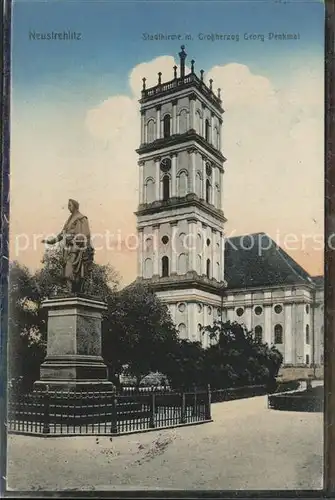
x,y
73,358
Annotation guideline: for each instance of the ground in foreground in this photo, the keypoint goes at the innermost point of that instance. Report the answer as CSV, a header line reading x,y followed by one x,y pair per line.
x,y
247,446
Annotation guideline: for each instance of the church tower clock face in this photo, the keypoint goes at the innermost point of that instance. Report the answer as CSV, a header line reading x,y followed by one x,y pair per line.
x,y
181,180
165,165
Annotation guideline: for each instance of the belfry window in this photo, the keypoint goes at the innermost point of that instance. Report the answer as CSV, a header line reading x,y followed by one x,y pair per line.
x,y
166,187
307,334
208,191
167,126
165,266
208,268
207,130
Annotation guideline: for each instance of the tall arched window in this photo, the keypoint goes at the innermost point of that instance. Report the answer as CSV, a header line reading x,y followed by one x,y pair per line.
x,y
148,268
151,131
149,191
198,122
307,334
258,333
183,121
278,334
198,182
167,125
208,268
199,264
148,244
216,138
166,187
182,263
207,130
217,196
165,266
182,183
208,191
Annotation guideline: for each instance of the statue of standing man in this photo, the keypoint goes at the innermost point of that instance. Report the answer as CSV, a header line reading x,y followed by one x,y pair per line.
x,y
78,253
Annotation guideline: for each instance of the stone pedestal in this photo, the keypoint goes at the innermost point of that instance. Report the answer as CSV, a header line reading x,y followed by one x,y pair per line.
x,y
73,359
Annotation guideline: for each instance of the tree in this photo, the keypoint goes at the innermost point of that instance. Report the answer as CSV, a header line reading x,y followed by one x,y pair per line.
x,y
238,359
138,333
184,364
105,279
26,327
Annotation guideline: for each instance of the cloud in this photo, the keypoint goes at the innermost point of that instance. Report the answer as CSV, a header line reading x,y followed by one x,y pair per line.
x,y
272,138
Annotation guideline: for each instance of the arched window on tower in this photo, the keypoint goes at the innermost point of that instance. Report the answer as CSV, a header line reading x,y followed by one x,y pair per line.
x,y
182,183
148,268
208,268
207,130
278,334
198,122
208,191
216,138
166,187
149,192
182,263
198,182
165,266
151,131
167,126
199,264
307,334
183,121
218,196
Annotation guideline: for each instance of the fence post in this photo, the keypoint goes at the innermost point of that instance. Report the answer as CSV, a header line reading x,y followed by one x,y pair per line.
x,y
208,415
183,409
46,413
153,411
114,416
195,403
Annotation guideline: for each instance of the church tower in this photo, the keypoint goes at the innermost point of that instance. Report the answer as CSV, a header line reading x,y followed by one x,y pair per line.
x,y
180,220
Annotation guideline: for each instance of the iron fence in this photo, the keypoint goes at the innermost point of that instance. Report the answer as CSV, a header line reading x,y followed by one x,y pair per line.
x,y
52,413
229,394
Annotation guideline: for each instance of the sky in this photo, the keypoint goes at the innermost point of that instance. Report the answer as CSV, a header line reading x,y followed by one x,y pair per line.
x,y
75,117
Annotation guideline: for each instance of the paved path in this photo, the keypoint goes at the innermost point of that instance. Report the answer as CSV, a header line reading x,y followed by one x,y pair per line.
x,y
246,447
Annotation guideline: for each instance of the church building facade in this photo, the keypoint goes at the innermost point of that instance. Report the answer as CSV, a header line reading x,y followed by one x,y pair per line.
x,y
180,223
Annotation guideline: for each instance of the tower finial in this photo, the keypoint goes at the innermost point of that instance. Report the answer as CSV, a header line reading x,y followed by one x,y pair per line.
x,y
192,65
202,75
182,56
144,80
159,78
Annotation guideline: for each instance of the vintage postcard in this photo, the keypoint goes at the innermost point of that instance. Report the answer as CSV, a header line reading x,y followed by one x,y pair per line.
x,y
166,259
